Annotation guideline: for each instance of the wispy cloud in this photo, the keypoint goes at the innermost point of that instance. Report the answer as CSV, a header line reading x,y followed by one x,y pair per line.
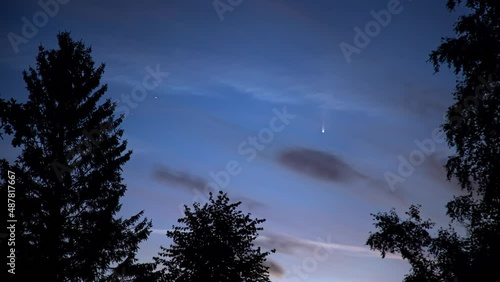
x,y
190,182
274,93
274,268
329,167
319,164
179,178
296,246
329,101
250,204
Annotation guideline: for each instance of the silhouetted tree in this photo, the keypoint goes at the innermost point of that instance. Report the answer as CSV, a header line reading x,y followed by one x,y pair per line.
x,y
3,107
68,175
214,245
472,127
131,271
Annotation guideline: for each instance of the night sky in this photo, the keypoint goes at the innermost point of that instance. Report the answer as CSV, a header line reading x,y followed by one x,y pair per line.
x,y
236,98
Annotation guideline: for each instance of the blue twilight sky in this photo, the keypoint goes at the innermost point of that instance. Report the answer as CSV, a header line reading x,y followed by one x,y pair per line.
x,y
250,88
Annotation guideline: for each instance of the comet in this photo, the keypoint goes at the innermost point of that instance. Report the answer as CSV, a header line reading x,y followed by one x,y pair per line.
x,y
323,119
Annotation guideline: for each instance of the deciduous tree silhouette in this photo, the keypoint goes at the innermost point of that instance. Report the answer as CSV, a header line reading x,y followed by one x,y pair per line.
x,y
473,129
68,175
214,245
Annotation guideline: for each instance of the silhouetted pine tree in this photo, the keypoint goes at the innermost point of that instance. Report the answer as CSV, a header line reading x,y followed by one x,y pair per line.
x,y
68,175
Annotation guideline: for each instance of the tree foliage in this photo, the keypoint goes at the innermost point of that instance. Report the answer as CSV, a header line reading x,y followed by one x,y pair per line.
x,y
215,244
68,175
472,128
